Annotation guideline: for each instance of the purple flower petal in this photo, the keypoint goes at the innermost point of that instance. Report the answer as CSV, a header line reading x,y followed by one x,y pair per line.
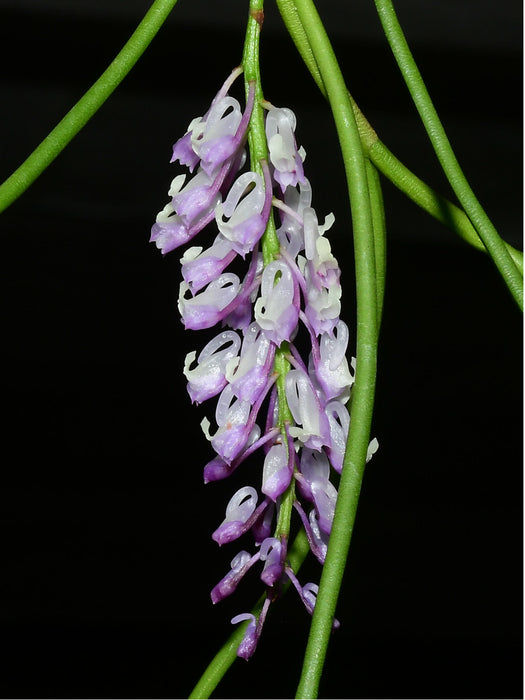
x,y
240,564
272,555
239,509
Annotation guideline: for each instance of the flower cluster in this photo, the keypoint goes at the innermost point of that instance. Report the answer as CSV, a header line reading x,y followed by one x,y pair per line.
x,y
260,316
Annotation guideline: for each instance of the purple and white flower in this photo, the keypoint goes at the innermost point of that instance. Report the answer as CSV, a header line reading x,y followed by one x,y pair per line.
x,y
285,157
253,365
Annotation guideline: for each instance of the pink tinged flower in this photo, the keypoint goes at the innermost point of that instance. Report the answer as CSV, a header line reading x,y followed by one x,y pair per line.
x,y
331,366
314,479
169,231
214,139
209,130
309,595
314,466
320,538
325,497
282,147
277,309
248,373
277,471
234,427
317,540
208,378
339,421
318,251
195,199
253,630
321,272
201,267
312,428
290,232
238,512
251,636
219,137
263,526
240,313
243,216
272,554
236,421
218,469
209,306
192,207
227,585
323,304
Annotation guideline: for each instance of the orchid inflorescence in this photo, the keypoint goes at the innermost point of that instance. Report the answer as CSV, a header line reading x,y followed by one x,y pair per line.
x,y
253,359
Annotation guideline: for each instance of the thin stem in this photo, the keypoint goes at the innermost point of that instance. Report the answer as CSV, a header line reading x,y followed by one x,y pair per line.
x,y
439,207
296,30
407,182
256,132
379,226
223,659
270,242
367,316
86,107
436,133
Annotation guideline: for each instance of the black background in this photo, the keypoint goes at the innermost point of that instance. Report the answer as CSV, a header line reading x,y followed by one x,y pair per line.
x,y
105,524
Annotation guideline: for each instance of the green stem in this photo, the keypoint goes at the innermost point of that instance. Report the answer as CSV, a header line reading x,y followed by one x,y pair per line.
x,y
367,315
270,242
379,226
436,133
282,366
256,132
223,659
228,653
296,30
408,183
86,107
439,207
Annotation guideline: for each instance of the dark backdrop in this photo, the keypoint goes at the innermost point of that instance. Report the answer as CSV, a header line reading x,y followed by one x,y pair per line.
x,y
105,524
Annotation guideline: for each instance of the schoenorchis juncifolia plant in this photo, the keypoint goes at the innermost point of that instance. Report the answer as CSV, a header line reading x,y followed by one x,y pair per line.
x,y
257,267
271,400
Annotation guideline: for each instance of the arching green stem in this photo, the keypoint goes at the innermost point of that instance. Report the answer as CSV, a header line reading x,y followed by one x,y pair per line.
x,y
379,227
439,207
85,108
256,131
436,133
299,37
